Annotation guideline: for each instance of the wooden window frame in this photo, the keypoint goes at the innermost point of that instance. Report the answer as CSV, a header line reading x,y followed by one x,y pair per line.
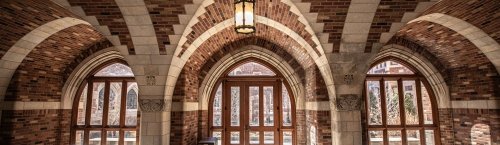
x,y
104,127
402,127
242,79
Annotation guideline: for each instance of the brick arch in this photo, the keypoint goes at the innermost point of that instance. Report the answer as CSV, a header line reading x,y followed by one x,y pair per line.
x,y
217,69
83,68
281,11
424,66
475,35
227,41
454,55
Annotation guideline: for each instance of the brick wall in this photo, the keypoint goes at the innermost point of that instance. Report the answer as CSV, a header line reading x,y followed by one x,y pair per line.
x,y
41,75
28,127
184,127
18,18
322,121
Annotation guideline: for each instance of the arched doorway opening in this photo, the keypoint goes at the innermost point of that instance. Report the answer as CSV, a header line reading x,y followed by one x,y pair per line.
x,y
252,105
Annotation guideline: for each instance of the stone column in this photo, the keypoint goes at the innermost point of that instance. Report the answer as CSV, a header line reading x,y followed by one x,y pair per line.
x,y
155,118
349,72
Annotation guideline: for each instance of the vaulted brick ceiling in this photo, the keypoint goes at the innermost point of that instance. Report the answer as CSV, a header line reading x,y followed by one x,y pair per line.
x,y
20,17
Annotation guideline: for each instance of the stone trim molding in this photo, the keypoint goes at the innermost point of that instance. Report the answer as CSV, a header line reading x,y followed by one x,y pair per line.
x,y
436,81
154,105
318,106
19,105
357,25
184,106
83,69
478,37
258,52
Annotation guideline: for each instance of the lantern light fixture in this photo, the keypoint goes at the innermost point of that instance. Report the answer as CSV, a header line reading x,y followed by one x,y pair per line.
x,y
244,16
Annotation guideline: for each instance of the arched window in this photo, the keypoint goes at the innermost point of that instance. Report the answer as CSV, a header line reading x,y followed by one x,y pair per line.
x,y
252,105
399,108
105,110
480,134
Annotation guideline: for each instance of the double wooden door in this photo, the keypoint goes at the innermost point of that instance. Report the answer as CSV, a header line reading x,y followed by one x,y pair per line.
x,y
252,112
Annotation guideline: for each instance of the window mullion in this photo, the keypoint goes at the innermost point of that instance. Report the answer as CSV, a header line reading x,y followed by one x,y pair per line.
x,y
419,103
384,110
88,105
123,108
105,112
402,113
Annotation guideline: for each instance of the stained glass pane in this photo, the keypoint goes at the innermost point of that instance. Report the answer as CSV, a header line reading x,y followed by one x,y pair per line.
x,y
268,137
112,138
389,67
426,105
235,138
114,106
218,135
394,137
392,101
116,69
376,137
429,137
254,106
95,138
82,105
235,106
254,137
217,107
268,106
97,107
251,69
130,138
410,102
287,138
132,105
413,137
79,137
374,102
286,106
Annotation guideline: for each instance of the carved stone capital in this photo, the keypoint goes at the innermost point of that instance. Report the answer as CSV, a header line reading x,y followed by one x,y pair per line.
x,y
348,102
153,105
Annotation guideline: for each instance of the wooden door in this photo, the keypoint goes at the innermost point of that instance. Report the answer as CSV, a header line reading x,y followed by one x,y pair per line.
x,y
252,112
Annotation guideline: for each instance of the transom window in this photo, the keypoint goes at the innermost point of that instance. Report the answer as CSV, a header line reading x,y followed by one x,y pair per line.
x,y
251,105
399,106
106,110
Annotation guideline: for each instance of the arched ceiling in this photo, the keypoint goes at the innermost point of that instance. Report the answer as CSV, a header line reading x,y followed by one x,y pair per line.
x,y
342,26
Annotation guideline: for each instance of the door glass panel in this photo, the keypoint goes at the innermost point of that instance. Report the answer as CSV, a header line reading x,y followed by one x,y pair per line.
x,y
95,138
376,137
115,96
374,102
97,107
235,137
217,107
132,107
112,138
286,106
235,107
268,106
82,105
287,138
413,137
392,101
429,137
410,102
268,137
254,137
253,105
130,138
394,137
218,136
79,137
426,105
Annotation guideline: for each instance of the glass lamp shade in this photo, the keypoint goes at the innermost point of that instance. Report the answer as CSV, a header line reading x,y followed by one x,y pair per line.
x,y
244,16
